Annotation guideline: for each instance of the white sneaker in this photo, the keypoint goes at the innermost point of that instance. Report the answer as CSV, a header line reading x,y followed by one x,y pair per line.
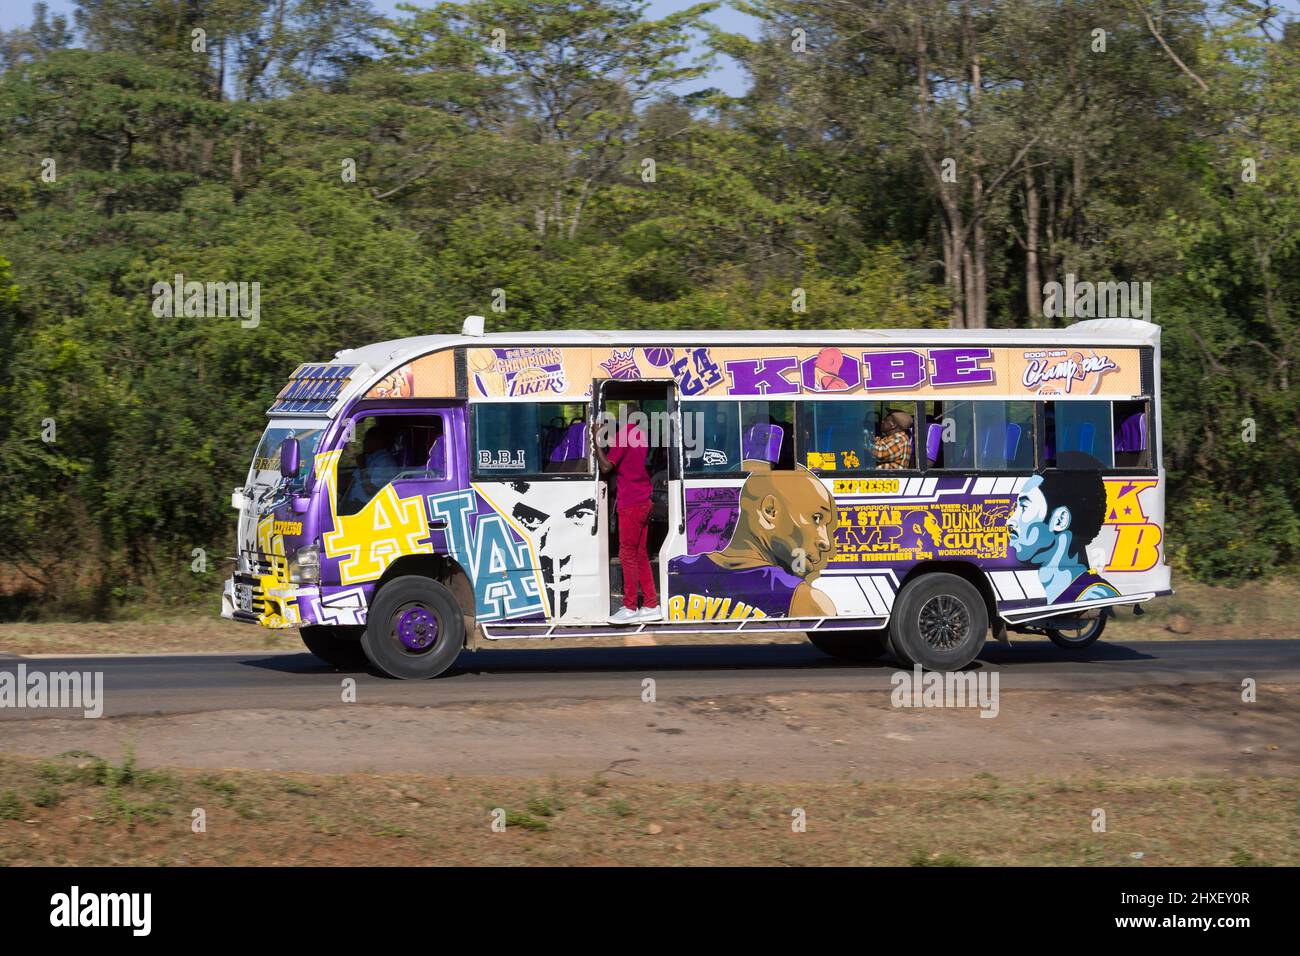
x,y
650,614
624,615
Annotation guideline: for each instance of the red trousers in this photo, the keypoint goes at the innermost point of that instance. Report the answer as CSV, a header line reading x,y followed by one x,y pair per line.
x,y
633,527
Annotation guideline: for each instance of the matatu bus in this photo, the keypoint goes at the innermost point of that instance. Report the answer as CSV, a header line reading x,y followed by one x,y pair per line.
x,y
1030,497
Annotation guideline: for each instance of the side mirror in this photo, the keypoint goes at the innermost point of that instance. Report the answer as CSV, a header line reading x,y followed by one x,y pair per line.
x,y
289,458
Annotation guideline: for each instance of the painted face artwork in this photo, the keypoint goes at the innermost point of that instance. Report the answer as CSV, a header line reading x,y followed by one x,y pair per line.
x,y
1031,536
558,539
783,537
921,531
801,516
1054,519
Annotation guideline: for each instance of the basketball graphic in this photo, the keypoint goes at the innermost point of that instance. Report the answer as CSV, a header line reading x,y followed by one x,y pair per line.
x,y
659,358
830,361
483,365
481,360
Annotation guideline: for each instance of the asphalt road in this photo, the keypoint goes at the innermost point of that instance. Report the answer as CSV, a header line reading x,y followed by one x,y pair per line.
x,y
172,684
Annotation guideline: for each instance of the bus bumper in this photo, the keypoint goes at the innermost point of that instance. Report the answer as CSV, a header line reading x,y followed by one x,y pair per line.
x,y
237,599
254,600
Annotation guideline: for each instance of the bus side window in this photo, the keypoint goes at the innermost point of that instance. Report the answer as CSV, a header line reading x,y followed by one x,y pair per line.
x,y
949,441
1078,426
1004,436
517,439
838,436
385,448
711,437
1132,443
767,433
370,460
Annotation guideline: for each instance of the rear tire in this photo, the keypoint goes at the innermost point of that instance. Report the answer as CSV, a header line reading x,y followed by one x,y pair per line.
x,y
337,646
415,629
852,645
939,621
1072,639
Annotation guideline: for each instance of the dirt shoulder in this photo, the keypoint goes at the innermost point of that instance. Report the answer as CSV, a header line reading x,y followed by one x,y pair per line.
x,y
1186,775
82,810
1182,730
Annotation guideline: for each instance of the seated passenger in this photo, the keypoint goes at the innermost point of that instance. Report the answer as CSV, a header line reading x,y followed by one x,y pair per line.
x,y
893,449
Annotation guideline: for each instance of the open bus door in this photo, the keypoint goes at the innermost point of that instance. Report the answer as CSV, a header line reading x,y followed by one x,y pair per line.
x,y
661,418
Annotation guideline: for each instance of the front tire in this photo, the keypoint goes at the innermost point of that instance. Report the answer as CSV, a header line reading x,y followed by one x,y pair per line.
x,y
415,629
337,646
939,621
851,645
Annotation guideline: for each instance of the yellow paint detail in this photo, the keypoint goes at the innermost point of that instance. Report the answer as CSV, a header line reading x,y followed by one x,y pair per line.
x,y
1124,500
367,542
866,486
701,607
279,600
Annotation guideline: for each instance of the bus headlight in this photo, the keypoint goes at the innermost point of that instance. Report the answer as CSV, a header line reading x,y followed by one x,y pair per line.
x,y
304,566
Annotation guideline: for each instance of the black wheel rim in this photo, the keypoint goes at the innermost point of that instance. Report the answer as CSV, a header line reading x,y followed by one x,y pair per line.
x,y
1089,622
944,622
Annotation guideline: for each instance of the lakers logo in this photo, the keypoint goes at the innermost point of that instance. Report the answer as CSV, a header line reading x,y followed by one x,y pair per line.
x,y
537,381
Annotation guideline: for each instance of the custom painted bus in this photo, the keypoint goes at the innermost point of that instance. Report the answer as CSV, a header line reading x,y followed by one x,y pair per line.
x,y
416,497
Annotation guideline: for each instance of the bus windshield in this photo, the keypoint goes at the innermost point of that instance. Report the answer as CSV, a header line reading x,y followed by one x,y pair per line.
x,y
265,470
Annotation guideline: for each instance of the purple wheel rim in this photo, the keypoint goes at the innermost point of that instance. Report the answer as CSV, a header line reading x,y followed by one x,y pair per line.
x,y
416,627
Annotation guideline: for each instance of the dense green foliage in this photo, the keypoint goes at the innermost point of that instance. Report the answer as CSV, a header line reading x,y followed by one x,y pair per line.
x,y
525,169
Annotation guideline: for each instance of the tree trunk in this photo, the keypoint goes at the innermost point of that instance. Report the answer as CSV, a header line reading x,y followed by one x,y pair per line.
x,y
219,81
1051,266
1077,172
1033,282
968,271
578,207
958,271
237,170
951,268
975,263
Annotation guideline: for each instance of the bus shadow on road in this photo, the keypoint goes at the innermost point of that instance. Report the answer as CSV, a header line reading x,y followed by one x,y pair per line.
x,y
703,657
706,657
1042,652
506,660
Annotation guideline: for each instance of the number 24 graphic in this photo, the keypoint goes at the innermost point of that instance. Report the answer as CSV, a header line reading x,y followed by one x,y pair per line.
x,y
706,373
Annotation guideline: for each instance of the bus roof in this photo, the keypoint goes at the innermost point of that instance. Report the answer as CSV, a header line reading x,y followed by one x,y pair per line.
x,y
372,362
383,356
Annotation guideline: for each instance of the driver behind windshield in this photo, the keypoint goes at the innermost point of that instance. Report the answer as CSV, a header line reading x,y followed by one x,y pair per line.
x,y
376,464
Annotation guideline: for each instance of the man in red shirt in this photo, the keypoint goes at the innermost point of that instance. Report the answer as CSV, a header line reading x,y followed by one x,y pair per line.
x,y
626,460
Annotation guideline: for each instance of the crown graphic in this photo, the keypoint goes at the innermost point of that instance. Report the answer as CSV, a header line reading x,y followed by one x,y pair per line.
x,y
621,364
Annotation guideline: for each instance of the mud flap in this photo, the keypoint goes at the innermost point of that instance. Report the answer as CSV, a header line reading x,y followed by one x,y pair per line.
x,y
1000,633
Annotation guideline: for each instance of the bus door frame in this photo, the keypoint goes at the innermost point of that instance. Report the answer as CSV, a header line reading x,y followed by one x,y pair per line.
x,y
674,543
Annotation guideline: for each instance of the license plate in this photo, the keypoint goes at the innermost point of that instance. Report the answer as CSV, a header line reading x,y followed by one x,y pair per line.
x,y
244,597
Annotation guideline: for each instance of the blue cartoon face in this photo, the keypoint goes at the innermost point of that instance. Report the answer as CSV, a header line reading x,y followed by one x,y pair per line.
x,y
1031,528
